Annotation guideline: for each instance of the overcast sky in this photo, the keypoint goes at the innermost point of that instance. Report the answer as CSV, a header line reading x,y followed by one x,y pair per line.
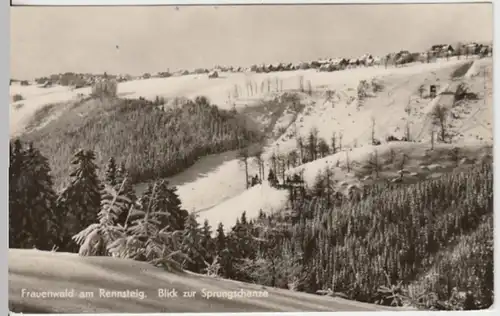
x,y
46,40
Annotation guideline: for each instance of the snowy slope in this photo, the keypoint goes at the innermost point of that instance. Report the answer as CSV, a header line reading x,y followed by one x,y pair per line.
x,y
211,180
252,201
213,185
34,270
35,98
228,89
388,109
417,155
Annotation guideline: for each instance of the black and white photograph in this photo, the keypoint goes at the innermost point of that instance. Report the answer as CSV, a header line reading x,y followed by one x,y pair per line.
x,y
251,158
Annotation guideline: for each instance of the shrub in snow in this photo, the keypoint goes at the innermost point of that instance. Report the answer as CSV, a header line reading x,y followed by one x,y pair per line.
x,y
17,97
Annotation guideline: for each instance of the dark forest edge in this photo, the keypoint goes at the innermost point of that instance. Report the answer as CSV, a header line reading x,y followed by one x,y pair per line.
x,y
152,140
428,244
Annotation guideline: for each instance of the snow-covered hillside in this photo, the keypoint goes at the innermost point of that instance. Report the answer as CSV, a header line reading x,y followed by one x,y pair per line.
x,y
36,271
225,184
215,185
260,197
418,157
228,89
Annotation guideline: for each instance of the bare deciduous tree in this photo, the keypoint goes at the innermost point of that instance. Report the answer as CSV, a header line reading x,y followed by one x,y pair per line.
x,y
439,118
402,164
329,185
300,145
392,156
243,157
257,156
432,132
274,162
407,131
334,143
347,161
373,129
374,163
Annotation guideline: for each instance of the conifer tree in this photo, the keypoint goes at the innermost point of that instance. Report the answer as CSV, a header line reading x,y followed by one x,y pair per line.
x,y
32,221
96,239
207,242
192,244
271,177
334,143
17,201
178,214
123,182
111,172
80,201
313,144
223,252
257,156
243,238
41,198
323,148
146,240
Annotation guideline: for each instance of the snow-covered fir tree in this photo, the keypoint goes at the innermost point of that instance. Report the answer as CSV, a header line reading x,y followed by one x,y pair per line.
x,y
207,242
79,203
223,252
32,221
111,172
192,244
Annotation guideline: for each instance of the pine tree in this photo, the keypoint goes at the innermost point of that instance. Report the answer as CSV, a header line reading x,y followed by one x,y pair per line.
x,y
146,240
323,148
319,185
111,172
192,245
41,198
80,201
17,200
257,156
313,144
123,182
207,242
95,240
32,220
178,214
271,177
121,172
223,252
243,238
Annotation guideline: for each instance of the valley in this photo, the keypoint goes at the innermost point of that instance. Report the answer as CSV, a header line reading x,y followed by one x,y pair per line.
x,y
347,136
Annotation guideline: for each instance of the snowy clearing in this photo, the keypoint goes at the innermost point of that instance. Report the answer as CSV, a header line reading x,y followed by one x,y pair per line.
x,y
252,201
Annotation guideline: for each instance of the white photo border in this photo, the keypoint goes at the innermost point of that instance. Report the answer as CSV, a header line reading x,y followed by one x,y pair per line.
x,y
5,74
215,2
